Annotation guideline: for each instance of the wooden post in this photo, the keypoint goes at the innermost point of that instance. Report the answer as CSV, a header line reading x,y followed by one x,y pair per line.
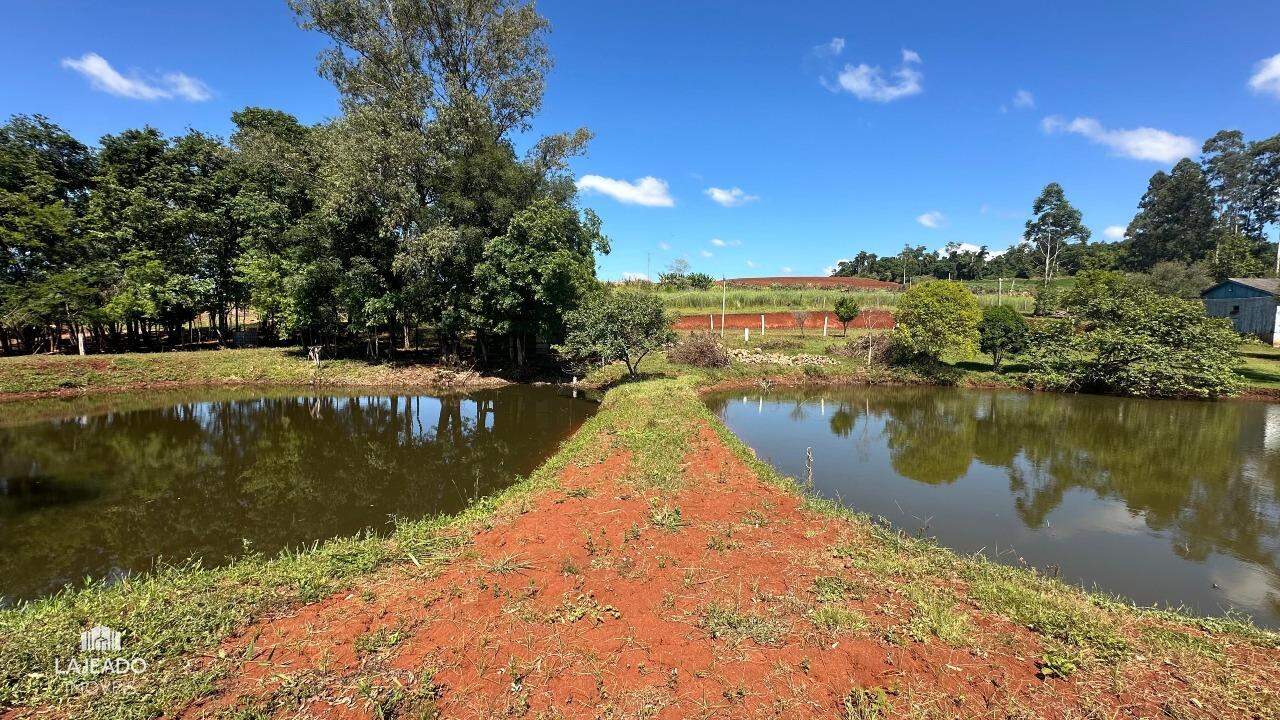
x,y
712,318
824,324
761,324
746,336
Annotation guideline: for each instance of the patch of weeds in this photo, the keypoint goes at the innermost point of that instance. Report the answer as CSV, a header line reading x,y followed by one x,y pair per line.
x,y
578,492
730,623
1057,663
570,567
1176,641
755,519
935,616
865,704
632,533
381,639
582,607
831,588
1055,612
723,542
835,619
666,517
506,565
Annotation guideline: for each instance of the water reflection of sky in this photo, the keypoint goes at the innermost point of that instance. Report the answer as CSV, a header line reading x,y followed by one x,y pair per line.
x,y
1154,500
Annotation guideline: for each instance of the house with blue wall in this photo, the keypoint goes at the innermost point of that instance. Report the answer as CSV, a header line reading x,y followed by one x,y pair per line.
x,y
1250,303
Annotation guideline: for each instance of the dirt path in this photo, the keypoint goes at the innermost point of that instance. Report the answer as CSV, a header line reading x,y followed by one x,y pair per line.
x,y
600,600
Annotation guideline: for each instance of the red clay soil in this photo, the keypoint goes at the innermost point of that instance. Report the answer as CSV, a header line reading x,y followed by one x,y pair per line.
x,y
817,281
579,606
878,319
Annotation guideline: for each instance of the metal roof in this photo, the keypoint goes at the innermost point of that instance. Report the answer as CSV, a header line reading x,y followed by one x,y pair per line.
x,y
1264,284
1267,285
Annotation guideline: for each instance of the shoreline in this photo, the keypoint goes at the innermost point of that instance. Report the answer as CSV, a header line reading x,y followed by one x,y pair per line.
x,y
652,496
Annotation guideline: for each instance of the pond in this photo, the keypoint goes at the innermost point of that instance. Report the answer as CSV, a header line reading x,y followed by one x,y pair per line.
x,y
1167,503
104,486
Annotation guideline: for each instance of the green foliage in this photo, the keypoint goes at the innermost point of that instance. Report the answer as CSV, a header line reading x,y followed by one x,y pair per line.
x,y
1174,220
847,310
1121,337
1002,332
938,320
1055,223
616,325
700,281
1178,279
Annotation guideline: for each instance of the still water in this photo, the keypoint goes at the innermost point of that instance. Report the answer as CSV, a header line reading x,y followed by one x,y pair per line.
x,y
107,490
1164,502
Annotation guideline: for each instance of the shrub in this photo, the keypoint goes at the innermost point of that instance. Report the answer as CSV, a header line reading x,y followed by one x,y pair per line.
x,y
700,281
611,326
1048,300
1002,332
884,350
1121,337
938,320
699,350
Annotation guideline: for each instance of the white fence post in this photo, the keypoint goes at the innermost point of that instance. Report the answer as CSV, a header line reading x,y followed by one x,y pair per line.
x,y
762,324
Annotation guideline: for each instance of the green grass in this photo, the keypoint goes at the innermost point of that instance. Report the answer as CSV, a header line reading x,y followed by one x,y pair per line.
x,y
279,366
701,302
1260,365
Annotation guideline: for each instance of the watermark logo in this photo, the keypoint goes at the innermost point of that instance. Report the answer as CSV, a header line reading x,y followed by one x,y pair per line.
x,y
99,638
95,642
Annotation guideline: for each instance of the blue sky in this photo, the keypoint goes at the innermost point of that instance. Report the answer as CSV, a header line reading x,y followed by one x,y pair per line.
x,y
844,126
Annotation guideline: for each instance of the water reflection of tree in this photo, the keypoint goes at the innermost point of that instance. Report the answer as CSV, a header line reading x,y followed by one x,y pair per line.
x,y
1197,471
198,477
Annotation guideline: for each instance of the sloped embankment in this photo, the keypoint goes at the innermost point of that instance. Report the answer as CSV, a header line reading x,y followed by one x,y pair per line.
x,y
655,569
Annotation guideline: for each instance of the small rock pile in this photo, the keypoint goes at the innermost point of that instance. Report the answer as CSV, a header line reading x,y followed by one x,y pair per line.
x,y
757,356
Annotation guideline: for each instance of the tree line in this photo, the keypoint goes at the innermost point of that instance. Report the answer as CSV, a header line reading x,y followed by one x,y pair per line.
x,y
410,210
1210,217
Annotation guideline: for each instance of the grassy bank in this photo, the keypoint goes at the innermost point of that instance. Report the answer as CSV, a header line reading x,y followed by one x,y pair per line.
x,y
50,374
178,618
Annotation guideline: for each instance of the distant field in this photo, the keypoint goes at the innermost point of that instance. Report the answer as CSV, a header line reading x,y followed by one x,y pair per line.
x,y
696,302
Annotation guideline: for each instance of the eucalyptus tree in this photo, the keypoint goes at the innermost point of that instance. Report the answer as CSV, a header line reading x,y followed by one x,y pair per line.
x,y
1055,223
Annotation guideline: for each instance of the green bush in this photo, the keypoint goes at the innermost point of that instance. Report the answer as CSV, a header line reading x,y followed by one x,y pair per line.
x,y
1121,337
700,281
938,320
1002,332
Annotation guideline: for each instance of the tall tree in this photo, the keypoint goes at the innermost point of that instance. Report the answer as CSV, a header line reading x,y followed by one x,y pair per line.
x,y
1175,219
1226,165
1054,224
1264,186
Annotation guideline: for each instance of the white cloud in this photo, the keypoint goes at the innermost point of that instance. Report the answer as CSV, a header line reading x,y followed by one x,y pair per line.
x,y
1142,143
1024,100
932,219
1114,232
867,82
705,253
725,243
109,80
785,270
634,276
1266,77
648,191
751,264
663,245
187,87
836,46
966,247
731,197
